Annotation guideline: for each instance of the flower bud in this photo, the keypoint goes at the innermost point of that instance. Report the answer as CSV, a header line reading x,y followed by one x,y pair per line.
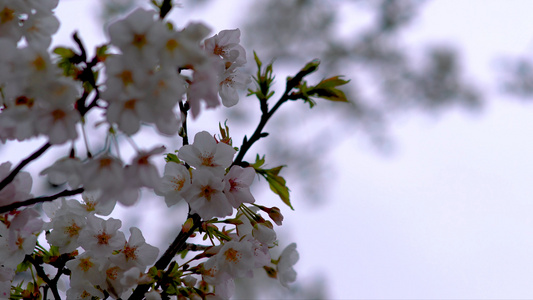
x,y
264,233
275,215
271,272
187,225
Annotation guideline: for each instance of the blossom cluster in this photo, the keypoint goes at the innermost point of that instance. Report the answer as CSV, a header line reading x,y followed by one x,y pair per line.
x,y
146,72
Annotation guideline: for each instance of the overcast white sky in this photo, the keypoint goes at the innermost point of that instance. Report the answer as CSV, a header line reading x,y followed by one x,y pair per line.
x,y
449,213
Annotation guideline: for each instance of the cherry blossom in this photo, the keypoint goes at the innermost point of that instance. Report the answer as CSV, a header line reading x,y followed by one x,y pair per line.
x,y
182,48
39,28
85,268
138,35
66,229
176,180
101,237
206,154
205,196
231,82
135,252
148,70
226,45
237,185
288,258
66,169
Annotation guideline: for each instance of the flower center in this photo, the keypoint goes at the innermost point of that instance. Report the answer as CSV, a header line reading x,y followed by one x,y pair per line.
x,y
232,255
72,230
139,40
103,238
207,191
58,114
130,252
126,76
85,264
172,44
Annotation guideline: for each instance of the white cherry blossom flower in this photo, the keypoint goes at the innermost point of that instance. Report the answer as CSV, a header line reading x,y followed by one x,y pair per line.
x,y
135,252
182,48
66,169
264,234
101,237
83,289
237,185
138,35
14,246
26,221
226,45
9,52
236,258
39,28
231,81
223,282
204,85
103,173
66,229
58,123
176,179
85,267
143,173
205,196
129,110
259,231
113,280
6,276
9,20
123,74
289,257
206,154
260,251
152,295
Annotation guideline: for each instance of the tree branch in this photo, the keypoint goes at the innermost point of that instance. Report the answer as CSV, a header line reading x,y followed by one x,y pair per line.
x,y
52,284
258,133
22,164
32,201
177,245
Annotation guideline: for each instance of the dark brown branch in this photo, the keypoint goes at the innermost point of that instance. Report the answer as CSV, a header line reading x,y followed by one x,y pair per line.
x,y
177,245
52,284
32,201
22,164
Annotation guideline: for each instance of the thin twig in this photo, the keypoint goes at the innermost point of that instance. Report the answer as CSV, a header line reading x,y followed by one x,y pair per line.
x,y
22,164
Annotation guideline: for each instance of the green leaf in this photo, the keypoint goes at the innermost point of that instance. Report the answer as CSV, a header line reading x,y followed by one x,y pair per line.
x,y
259,161
184,253
327,89
277,183
102,52
23,266
172,157
64,52
264,81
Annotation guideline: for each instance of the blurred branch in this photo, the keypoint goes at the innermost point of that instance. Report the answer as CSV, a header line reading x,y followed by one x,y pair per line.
x,y
518,77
